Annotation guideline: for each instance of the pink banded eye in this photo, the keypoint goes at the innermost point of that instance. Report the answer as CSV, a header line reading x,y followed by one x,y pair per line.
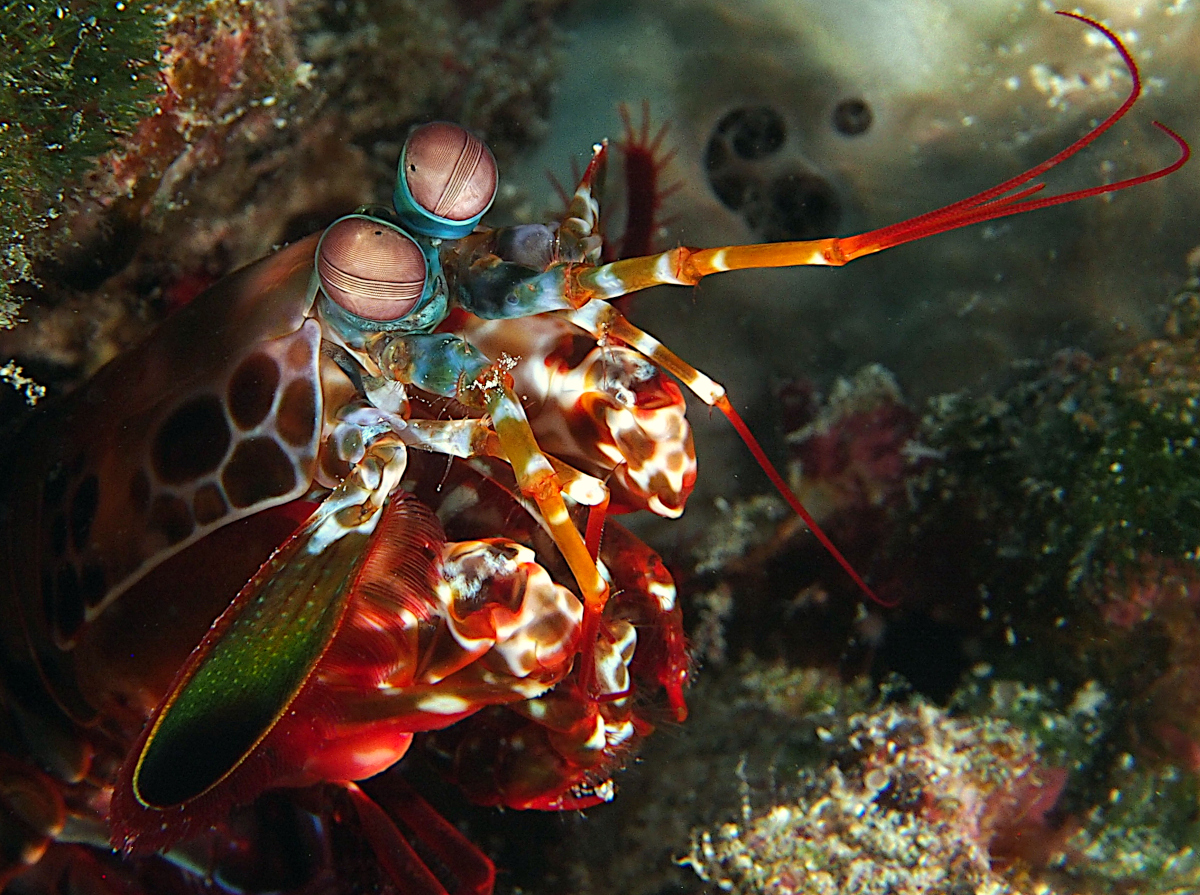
x,y
370,268
450,172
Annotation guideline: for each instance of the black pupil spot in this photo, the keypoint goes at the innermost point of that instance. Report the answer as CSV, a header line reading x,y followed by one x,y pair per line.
x,y
852,117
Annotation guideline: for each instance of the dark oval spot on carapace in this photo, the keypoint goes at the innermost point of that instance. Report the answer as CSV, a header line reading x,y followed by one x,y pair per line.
x,y
67,603
58,534
251,390
55,486
296,419
173,517
257,471
191,442
48,590
139,491
93,584
208,504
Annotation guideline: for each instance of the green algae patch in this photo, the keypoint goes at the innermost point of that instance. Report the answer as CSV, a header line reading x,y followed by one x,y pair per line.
x,y
1081,472
73,77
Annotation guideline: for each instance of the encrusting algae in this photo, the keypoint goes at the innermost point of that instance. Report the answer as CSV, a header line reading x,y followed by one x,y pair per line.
x,y
913,802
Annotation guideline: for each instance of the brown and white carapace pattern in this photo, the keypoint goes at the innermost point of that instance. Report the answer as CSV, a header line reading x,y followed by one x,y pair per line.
x,y
215,419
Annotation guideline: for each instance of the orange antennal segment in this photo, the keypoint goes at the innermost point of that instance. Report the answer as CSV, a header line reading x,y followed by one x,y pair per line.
x,y
686,266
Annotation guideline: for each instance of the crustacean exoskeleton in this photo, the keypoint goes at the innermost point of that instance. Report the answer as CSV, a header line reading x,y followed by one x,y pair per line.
x,y
230,574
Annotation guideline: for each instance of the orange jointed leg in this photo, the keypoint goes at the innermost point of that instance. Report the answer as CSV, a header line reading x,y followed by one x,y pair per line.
x,y
687,266
537,480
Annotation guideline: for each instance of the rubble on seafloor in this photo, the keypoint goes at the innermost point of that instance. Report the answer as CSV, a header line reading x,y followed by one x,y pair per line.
x,y
916,799
792,780
913,801
752,725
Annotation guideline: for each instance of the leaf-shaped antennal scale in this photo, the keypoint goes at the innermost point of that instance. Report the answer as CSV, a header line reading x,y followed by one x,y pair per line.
x,y
236,685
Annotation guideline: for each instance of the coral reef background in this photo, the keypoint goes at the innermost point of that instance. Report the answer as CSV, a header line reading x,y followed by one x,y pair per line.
x,y
996,425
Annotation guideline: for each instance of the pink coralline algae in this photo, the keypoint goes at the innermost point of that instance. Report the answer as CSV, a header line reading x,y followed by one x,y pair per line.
x,y
851,454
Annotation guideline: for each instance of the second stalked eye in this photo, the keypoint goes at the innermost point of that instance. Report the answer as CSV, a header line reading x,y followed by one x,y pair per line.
x,y
371,268
445,182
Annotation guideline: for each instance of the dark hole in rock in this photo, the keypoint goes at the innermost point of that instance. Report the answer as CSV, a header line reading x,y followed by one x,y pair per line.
x,y
852,117
100,249
752,133
798,205
734,189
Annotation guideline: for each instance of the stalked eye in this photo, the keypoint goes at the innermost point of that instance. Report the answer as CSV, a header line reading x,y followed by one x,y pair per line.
x,y
446,181
371,268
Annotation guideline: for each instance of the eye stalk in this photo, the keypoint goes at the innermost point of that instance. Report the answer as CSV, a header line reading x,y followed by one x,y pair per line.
x,y
445,182
372,268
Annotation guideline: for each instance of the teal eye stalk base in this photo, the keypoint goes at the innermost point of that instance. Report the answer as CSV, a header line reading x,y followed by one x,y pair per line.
x,y
418,220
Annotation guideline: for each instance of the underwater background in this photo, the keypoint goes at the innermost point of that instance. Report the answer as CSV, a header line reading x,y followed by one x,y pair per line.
x,y
997,425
